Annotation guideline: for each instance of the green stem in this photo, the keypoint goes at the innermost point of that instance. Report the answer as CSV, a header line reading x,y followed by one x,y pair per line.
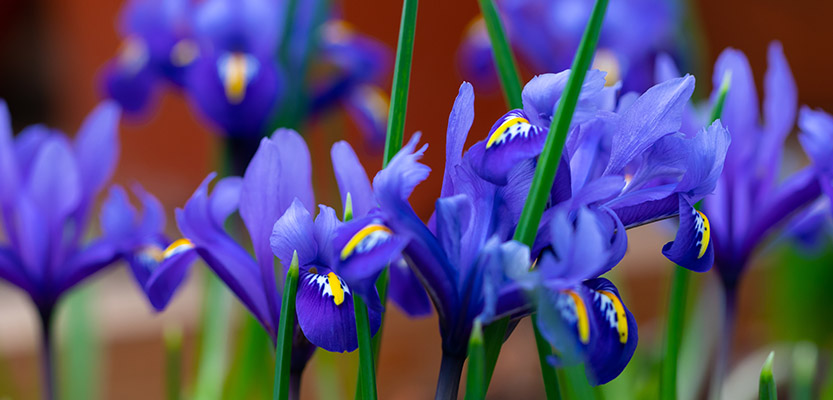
x,y
674,332
401,80
47,359
551,387
507,68
367,373
475,378
766,387
286,333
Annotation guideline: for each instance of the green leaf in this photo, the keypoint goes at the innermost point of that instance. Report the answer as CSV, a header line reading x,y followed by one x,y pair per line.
x,y
401,80
216,322
367,372
286,332
80,351
507,68
475,378
766,388
551,387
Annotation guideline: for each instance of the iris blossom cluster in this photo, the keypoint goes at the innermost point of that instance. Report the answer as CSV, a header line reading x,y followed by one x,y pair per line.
x,y
233,62
48,186
275,201
546,34
625,164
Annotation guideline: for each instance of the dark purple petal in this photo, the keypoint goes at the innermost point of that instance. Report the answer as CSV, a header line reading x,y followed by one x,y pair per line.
x,y
653,115
454,217
169,274
352,179
459,123
613,336
511,140
692,248
406,290
325,312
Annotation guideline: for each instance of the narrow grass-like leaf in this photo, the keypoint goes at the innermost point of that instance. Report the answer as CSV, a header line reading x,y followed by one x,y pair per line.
x,y
173,362
401,79
507,68
679,290
551,384
216,322
548,161
551,154
475,378
766,386
674,333
250,376
286,332
367,372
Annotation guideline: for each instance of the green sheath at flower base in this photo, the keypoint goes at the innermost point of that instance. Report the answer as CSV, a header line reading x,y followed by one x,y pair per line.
x,y
766,388
475,384
286,332
679,289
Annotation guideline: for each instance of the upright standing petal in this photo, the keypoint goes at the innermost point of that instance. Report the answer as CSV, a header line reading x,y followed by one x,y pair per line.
x,y
97,147
352,179
459,123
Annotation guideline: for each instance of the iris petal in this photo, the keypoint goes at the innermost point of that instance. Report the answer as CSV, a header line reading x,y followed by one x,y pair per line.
x,y
326,324
692,248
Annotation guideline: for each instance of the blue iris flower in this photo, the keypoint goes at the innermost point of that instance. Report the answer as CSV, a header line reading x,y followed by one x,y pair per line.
x,y
625,164
227,56
48,186
157,47
275,201
546,34
750,201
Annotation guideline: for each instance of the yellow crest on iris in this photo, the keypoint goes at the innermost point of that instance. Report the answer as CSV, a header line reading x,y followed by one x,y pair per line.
x,y
361,235
502,129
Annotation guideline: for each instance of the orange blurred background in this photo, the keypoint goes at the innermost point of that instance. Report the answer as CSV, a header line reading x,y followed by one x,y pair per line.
x,y
52,52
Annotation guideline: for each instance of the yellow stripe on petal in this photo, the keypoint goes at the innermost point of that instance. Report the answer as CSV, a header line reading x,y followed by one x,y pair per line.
x,y
502,129
350,247
335,288
583,323
703,227
234,81
621,316
177,247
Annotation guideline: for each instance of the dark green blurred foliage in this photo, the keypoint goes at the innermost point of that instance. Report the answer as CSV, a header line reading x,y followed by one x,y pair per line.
x,y
796,293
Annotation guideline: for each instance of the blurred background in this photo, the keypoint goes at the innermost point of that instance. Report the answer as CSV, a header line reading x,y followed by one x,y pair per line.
x,y
53,52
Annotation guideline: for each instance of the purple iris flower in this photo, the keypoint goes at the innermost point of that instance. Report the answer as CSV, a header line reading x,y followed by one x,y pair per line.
x,y
546,34
275,200
156,47
581,314
750,201
48,186
236,80
624,154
